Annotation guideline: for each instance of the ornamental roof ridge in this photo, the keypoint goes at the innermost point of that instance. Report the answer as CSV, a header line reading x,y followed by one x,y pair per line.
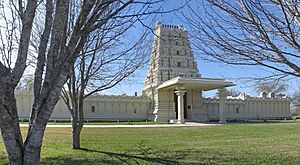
x,y
122,97
267,99
170,26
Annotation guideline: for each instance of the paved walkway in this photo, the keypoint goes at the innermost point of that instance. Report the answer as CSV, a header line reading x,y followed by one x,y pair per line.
x,y
187,124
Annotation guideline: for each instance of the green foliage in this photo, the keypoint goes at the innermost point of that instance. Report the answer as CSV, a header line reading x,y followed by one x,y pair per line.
x,y
225,144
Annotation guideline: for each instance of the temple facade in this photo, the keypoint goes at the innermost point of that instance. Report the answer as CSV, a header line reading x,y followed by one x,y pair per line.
x,y
173,91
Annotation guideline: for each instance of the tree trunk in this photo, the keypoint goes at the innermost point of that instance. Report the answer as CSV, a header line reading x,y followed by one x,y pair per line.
x,y
77,125
77,119
76,130
32,150
34,140
13,146
30,153
33,143
9,123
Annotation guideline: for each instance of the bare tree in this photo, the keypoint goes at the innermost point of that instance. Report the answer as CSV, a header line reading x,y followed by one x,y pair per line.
x,y
255,33
232,92
105,60
275,87
295,96
62,40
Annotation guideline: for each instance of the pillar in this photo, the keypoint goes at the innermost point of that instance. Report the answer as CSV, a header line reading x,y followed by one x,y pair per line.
x,y
222,104
180,101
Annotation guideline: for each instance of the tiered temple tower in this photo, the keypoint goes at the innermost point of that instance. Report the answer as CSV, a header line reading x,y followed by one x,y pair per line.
x,y
171,57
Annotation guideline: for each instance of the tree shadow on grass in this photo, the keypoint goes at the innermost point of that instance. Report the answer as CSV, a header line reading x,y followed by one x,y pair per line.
x,y
71,160
142,155
186,157
128,158
107,158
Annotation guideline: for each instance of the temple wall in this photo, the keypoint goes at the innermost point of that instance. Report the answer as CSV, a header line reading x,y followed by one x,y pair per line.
x,y
133,108
250,108
24,103
121,108
165,106
100,108
195,109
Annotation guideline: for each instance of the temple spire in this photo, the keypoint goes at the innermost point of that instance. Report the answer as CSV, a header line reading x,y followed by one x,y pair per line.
x,y
171,56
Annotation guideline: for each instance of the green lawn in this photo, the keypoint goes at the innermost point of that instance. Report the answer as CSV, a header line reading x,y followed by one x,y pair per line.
x,y
225,144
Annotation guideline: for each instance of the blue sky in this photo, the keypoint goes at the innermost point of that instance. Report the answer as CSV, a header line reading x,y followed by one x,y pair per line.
x,y
212,70
207,69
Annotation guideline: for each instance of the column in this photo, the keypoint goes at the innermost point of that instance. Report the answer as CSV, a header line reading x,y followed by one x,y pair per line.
x,y
222,104
180,101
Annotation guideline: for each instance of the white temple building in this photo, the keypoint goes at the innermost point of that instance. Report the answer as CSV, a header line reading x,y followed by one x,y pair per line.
x,y
173,92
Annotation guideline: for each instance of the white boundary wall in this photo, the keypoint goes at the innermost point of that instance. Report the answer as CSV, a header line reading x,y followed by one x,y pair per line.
x,y
101,108
249,108
135,108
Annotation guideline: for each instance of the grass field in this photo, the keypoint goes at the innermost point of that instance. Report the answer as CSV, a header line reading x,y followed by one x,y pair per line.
x,y
225,144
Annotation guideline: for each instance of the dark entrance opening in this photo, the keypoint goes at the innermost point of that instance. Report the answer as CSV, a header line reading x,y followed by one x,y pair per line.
x,y
184,105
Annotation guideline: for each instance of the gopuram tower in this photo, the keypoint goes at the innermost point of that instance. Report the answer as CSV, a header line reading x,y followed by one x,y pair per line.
x,y
171,57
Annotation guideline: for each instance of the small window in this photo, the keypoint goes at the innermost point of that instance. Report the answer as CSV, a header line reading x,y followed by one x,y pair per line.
x,y
176,43
177,52
93,109
237,110
179,64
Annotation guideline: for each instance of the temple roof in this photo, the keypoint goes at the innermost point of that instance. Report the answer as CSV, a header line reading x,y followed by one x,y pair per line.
x,y
195,83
